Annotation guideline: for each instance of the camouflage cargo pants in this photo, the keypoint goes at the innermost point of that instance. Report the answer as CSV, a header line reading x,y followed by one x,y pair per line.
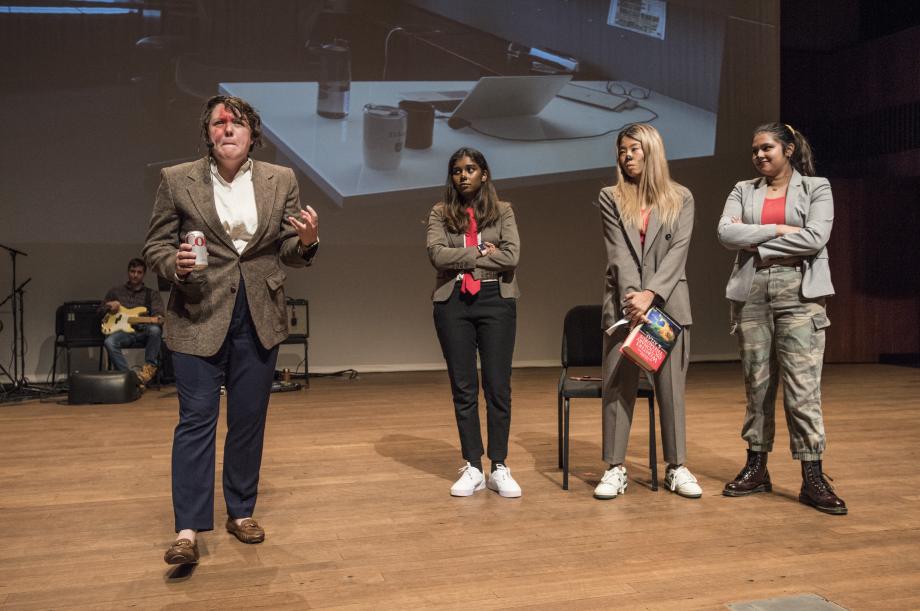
x,y
781,336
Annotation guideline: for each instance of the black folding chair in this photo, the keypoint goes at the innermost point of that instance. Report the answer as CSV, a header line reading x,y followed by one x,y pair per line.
x,y
583,346
76,325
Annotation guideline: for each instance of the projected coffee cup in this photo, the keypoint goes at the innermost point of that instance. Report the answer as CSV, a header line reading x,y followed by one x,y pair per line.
x,y
384,136
420,127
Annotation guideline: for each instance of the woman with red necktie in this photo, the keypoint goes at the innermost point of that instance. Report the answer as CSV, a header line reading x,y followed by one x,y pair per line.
x,y
474,246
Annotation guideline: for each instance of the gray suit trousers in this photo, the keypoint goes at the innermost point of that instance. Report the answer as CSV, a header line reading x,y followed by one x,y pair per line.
x,y
621,381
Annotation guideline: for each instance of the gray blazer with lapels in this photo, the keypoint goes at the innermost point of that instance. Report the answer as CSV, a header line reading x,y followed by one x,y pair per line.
x,y
809,205
659,266
450,257
200,308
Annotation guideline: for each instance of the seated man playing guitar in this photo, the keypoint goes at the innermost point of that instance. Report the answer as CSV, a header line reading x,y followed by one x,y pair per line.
x,y
125,329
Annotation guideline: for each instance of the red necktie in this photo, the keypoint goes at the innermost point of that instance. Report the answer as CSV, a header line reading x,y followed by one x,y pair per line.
x,y
470,285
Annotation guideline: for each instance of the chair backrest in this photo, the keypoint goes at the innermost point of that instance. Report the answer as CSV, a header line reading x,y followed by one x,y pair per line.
x,y
59,323
582,337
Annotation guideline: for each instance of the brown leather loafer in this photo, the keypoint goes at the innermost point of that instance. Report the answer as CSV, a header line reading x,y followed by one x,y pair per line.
x,y
247,532
182,551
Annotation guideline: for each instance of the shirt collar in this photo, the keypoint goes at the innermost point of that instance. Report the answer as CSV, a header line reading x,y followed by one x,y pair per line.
x,y
246,167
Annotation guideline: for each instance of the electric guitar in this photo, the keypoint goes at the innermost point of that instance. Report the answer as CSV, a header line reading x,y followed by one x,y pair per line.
x,y
125,317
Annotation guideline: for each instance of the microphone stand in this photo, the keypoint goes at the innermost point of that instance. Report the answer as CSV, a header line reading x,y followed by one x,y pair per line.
x,y
21,388
14,377
22,381
16,340
4,371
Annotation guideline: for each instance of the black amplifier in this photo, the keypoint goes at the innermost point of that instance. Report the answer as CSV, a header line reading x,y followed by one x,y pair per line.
x,y
298,315
103,387
82,323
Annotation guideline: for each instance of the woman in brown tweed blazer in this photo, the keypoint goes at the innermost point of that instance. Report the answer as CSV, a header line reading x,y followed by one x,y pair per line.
x,y
224,322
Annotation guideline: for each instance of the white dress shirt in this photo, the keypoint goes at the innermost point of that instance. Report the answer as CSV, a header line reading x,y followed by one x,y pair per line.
x,y
236,205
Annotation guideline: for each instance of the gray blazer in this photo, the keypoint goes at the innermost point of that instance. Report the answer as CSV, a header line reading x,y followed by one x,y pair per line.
x,y
809,205
659,266
199,309
449,256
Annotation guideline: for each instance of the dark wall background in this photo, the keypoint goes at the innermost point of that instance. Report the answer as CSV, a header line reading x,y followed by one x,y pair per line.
x,y
851,82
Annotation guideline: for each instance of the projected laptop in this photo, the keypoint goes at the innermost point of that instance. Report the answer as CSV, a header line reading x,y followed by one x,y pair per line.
x,y
443,101
507,96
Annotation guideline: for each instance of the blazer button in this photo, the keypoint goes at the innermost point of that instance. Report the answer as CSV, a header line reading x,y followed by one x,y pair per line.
x,y
232,289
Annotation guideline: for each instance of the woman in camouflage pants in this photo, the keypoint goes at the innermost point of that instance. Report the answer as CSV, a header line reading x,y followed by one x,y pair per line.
x,y
780,224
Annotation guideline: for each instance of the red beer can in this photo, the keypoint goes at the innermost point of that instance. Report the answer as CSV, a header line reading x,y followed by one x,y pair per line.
x,y
199,247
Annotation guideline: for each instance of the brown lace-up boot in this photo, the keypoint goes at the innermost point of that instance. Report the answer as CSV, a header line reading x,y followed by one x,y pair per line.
x,y
147,373
754,477
817,492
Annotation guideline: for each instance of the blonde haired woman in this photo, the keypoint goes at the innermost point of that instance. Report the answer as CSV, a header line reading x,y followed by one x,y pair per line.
x,y
648,220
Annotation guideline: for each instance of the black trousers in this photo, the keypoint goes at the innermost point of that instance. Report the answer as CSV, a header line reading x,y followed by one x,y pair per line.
x,y
246,368
485,323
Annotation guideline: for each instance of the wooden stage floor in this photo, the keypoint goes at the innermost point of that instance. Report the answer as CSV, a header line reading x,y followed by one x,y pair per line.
x,y
354,499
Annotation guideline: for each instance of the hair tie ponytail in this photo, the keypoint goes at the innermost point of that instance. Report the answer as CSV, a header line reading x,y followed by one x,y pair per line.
x,y
802,158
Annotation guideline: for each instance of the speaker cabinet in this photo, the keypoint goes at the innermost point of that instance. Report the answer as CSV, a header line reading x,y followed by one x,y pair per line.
x,y
103,387
82,323
298,314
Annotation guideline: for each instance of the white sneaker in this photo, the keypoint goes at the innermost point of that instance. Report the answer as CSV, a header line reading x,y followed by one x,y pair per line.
x,y
501,482
471,480
612,484
681,481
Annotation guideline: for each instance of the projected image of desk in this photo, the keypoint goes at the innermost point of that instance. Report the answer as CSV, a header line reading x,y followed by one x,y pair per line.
x,y
329,151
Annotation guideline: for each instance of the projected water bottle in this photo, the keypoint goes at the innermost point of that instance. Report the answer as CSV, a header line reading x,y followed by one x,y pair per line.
x,y
334,80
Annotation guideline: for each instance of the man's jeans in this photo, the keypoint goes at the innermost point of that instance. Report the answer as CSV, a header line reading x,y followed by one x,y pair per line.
x,y
145,336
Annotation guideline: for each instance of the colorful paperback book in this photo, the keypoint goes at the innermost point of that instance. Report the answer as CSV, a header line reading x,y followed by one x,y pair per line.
x,y
649,344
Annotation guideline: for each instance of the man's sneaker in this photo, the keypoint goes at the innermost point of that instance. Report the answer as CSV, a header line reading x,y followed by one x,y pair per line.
x,y
612,484
680,480
501,482
471,480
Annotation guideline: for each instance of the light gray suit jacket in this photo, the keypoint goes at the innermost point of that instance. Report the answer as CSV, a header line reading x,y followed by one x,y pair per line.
x,y
809,205
659,266
449,256
199,309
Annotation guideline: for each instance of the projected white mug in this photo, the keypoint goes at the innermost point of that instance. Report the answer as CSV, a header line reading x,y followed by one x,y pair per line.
x,y
384,136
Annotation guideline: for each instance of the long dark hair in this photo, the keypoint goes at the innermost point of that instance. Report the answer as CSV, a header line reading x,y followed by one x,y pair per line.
x,y
802,158
484,203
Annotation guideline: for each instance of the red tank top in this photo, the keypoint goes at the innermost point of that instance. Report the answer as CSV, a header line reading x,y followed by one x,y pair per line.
x,y
774,211
644,228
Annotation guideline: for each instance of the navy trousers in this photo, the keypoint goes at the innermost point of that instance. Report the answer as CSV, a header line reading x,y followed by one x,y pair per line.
x,y
246,368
